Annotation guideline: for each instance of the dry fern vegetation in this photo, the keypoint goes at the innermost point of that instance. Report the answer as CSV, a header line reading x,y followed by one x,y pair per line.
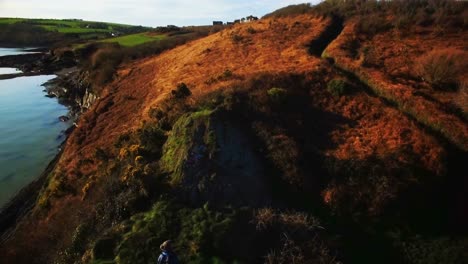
x,y
247,146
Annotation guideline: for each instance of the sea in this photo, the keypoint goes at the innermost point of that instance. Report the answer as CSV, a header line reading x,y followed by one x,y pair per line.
x,y
30,130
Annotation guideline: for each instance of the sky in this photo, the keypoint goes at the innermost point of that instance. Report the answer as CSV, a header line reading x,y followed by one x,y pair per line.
x,y
144,12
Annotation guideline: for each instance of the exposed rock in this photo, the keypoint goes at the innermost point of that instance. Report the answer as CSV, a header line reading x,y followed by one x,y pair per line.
x,y
212,159
72,88
64,118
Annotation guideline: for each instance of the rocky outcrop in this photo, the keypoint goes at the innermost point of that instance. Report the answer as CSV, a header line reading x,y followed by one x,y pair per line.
x,y
212,159
89,99
72,88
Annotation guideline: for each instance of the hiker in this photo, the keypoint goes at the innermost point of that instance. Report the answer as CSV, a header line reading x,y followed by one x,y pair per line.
x,y
167,256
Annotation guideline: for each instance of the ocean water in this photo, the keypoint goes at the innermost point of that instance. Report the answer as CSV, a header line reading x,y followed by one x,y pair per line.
x,y
14,51
9,70
30,131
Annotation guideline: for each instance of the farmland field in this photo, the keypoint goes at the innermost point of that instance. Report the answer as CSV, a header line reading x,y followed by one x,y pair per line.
x,y
69,25
22,31
10,20
135,39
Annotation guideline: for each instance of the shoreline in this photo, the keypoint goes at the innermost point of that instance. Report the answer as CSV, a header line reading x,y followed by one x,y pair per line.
x,y
21,203
17,75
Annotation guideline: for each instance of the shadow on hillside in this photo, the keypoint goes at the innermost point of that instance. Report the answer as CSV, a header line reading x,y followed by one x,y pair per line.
x,y
318,45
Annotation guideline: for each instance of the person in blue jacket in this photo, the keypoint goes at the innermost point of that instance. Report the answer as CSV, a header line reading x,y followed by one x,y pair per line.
x,y
167,256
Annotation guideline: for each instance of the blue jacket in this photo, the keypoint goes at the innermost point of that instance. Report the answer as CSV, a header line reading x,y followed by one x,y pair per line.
x,y
167,257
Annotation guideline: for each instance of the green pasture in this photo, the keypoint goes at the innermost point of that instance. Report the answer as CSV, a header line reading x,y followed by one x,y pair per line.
x,y
68,25
135,39
10,20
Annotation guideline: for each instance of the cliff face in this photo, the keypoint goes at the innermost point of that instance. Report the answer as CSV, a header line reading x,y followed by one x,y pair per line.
x,y
268,123
213,160
72,87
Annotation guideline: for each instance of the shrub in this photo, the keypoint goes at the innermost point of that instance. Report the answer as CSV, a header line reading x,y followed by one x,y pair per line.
x,y
290,11
278,95
226,74
461,99
337,87
369,57
296,236
100,154
203,234
442,68
251,30
152,138
236,38
373,24
447,250
182,91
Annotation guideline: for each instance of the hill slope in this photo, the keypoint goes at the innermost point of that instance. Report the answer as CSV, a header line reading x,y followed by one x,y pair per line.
x,y
322,138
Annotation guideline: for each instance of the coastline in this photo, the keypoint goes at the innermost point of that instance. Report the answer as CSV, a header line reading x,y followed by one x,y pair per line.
x,y
20,205
16,75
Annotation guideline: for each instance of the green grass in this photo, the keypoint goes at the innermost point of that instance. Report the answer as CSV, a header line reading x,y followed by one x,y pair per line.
x,y
74,29
68,25
135,39
10,20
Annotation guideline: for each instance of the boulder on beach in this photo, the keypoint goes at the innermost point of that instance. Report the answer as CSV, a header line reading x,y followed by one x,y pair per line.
x,y
64,118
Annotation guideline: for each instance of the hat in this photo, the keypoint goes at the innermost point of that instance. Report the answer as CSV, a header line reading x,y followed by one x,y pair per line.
x,y
167,245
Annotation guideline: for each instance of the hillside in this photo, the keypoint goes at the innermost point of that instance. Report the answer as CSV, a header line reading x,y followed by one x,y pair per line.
x,y
308,135
46,32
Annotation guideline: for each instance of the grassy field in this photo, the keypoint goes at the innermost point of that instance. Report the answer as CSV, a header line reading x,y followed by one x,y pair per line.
x,y
135,39
23,31
69,26
10,20
75,30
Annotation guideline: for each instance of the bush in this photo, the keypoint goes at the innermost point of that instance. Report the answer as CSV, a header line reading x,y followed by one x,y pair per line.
x,y
373,24
100,154
278,95
236,38
442,68
290,10
200,235
226,75
296,236
370,57
182,91
251,30
447,250
461,99
152,138
337,87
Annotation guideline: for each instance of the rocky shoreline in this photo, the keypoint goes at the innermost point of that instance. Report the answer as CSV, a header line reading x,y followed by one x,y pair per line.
x,y
72,90
70,87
